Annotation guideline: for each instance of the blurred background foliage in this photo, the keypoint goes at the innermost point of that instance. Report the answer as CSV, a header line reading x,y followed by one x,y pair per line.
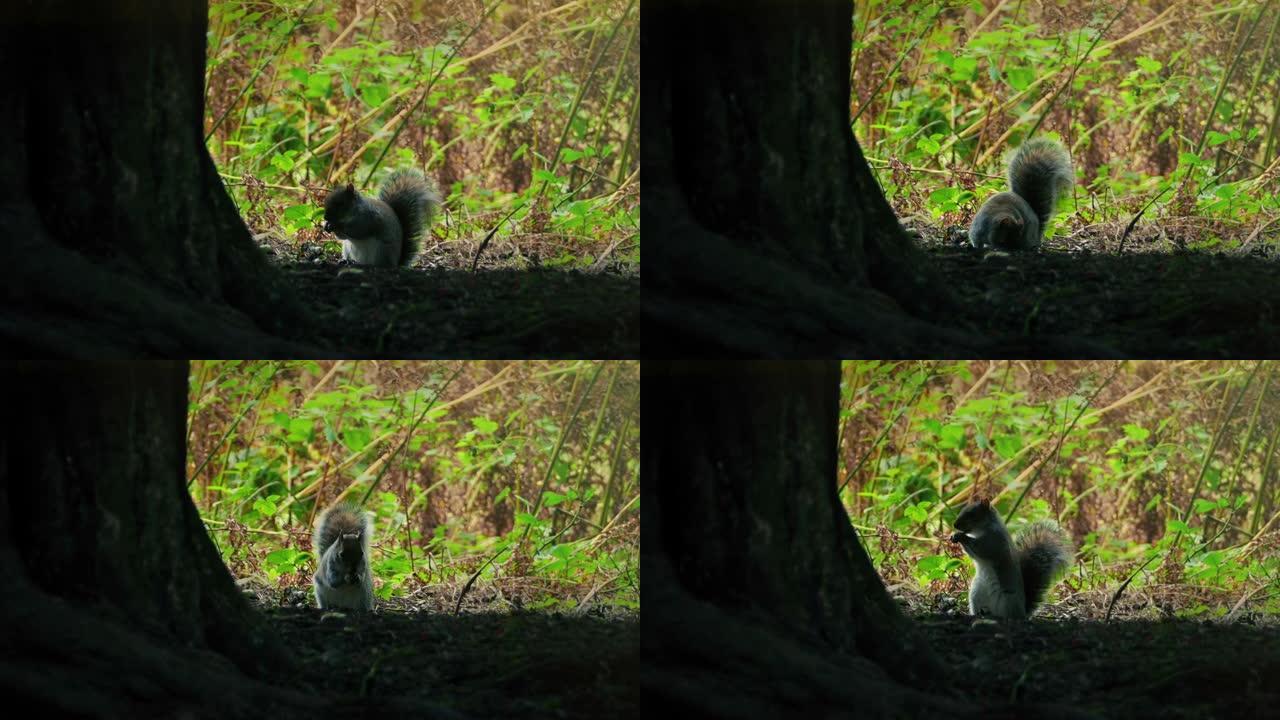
x,y
521,474
526,112
1169,108
1165,473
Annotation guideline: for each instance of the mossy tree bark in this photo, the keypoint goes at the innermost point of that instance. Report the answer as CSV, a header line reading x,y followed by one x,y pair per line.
x,y
759,600
122,237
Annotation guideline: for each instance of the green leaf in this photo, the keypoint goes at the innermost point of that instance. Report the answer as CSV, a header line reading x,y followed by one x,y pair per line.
x,y
1148,65
547,176
300,429
299,213
1020,78
356,439
1203,506
943,195
965,68
283,161
286,556
919,512
319,85
374,94
1216,138
934,567
1008,445
1136,432
952,436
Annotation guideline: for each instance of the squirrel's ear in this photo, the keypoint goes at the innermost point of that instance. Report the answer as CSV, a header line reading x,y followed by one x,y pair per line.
x,y
351,187
984,502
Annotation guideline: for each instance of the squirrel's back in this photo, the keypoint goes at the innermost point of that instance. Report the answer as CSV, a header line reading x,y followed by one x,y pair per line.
x,y
1039,174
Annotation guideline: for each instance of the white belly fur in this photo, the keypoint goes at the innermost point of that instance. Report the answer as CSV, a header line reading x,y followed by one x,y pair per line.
x,y
350,597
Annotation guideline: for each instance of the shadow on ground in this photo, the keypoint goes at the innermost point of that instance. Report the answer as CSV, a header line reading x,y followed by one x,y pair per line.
x,y
1175,304
459,314
482,665
1164,669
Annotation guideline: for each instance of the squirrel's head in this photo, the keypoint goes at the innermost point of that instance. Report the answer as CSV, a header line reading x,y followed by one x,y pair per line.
x,y
973,514
337,204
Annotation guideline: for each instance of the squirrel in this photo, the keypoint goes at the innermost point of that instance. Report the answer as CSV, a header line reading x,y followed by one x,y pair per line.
x,y
1039,174
1013,575
343,578
383,231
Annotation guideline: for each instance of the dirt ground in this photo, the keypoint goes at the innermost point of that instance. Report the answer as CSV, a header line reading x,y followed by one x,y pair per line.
x,y
1162,293
492,660
439,308
1125,669
1145,663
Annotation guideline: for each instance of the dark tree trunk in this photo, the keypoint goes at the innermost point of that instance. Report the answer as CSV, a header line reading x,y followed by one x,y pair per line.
x,y
759,600
768,232
123,239
101,550
116,603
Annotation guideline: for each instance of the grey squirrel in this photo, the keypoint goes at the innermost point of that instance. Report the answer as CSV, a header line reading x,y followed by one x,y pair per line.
x,y
343,578
383,231
1013,574
1039,174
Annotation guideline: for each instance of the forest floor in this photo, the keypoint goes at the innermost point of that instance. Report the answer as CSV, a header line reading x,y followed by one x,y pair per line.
x,y
1144,663
1161,294
508,307
1123,669
492,660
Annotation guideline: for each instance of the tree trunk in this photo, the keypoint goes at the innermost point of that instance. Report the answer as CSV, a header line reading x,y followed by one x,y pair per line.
x,y
768,234
101,549
772,235
116,603
123,237
759,599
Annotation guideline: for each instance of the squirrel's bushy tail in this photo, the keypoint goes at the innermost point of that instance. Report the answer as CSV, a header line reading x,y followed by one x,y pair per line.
x,y
1040,172
1043,551
415,200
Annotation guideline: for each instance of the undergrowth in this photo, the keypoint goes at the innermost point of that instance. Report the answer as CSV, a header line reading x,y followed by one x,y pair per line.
x,y
500,472
1170,111
525,113
1164,473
